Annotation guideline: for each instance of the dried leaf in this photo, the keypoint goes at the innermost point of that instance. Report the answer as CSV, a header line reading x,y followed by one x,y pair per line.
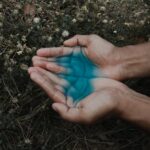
x,y
29,9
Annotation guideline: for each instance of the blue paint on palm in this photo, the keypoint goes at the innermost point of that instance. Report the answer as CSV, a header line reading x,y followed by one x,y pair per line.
x,y
79,74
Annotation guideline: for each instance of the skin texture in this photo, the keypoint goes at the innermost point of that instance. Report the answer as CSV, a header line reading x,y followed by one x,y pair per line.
x,y
109,96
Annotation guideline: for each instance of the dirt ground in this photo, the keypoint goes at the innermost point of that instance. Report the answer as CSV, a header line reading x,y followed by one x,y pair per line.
x,y
27,121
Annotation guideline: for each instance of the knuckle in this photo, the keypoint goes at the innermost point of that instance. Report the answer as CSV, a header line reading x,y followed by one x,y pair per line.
x,y
55,94
44,80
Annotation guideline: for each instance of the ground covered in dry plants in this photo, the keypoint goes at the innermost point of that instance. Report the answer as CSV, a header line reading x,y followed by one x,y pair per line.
x,y
27,121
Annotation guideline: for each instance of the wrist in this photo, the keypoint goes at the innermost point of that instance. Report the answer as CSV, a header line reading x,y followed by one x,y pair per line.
x,y
135,109
133,61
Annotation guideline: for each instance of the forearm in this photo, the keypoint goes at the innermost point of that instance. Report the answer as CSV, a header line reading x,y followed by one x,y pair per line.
x,y
135,61
136,109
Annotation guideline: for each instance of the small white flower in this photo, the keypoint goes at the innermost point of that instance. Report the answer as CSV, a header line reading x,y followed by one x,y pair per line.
x,y
115,31
1,6
27,141
1,38
49,39
15,11
74,20
57,29
1,16
15,100
23,38
128,24
19,52
39,9
9,69
102,8
18,6
105,21
1,24
19,45
65,33
36,20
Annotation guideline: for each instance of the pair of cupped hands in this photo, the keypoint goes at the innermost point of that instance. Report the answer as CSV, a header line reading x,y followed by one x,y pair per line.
x,y
59,73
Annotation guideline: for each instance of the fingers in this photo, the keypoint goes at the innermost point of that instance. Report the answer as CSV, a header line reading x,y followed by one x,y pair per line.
x,y
44,82
54,78
37,62
82,40
54,52
55,68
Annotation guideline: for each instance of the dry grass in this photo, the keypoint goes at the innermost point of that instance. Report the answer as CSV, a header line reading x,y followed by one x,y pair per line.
x,y
26,119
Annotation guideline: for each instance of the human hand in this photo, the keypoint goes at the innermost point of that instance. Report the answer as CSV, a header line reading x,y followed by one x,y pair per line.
x,y
74,83
100,52
104,100
78,71
118,63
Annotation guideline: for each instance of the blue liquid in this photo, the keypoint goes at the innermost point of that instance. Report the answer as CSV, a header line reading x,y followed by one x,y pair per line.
x,y
79,74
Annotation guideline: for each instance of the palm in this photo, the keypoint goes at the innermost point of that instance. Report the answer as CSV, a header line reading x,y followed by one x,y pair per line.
x,y
100,52
97,49
80,76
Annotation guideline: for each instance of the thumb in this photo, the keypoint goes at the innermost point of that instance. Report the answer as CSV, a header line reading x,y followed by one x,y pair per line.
x,y
67,113
81,40
60,108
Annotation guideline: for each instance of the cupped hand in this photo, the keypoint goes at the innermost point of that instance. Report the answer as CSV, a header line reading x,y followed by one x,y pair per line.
x,y
99,51
76,69
104,100
66,88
